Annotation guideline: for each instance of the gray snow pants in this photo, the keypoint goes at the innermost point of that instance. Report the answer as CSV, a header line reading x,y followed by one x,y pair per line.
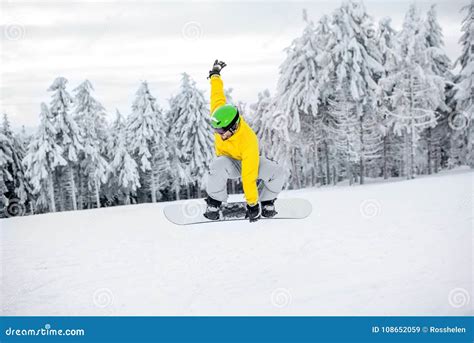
x,y
272,178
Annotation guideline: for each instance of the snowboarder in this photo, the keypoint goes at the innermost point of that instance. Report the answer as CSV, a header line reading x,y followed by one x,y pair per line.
x,y
236,146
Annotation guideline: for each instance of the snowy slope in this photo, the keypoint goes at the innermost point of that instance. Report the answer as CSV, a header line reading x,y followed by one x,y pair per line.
x,y
395,248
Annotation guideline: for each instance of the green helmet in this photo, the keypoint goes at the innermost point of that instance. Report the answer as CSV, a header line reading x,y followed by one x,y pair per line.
x,y
225,117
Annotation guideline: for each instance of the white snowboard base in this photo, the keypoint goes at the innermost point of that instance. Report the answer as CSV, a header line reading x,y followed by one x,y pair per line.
x,y
191,212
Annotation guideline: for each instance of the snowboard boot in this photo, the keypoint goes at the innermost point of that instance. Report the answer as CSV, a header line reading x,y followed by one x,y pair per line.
x,y
213,209
268,208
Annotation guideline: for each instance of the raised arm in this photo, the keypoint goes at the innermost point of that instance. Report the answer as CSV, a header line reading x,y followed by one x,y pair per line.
x,y
217,92
217,86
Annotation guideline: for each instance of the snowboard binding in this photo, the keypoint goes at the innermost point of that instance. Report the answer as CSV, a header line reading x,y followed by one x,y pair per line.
x,y
213,209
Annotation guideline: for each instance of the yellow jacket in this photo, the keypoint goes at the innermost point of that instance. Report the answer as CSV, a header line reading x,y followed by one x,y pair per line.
x,y
242,146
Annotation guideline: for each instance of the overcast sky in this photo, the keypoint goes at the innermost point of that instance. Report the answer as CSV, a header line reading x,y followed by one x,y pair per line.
x,y
118,44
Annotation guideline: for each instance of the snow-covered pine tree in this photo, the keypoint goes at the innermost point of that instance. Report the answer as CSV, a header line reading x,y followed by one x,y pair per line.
x,y
67,137
146,138
93,166
177,175
261,111
437,60
417,91
19,191
111,189
386,38
296,105
297,89
340,129
320,128
23,138
43,157
434,139
354,62
125,178
192,131
462,121
5,176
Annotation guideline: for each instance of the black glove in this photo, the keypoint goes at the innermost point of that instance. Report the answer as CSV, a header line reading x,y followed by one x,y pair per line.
x,y
216,68
253,212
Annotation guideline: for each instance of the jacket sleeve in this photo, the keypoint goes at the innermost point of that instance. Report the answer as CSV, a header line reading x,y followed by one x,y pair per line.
x,y
217,92
250,164
218,151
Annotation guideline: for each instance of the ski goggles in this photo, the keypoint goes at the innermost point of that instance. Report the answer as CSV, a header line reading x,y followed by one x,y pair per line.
x,y
232,127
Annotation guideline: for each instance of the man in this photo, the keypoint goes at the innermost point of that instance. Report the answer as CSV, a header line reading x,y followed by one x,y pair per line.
x,y
237,153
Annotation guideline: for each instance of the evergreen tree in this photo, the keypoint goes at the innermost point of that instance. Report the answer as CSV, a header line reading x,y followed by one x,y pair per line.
x,y
355,65
43,157
68,137
461,122
386,37
438,63
437,58
178,175
296,105
417,91
18,189
192,130
298,89
261,112
147,139
90,116
5,176
124,169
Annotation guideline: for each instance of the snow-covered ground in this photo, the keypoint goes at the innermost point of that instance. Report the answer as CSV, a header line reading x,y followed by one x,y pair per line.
x,y
391,248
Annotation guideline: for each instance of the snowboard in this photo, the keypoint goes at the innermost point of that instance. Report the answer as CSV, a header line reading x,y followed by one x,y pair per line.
x,y
191,212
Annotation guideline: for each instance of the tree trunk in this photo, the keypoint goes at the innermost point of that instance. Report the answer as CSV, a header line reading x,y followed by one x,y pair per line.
x,y
73,188
97,197
59,189
176,192
429,133
198,189
470,153
385,157
80,195
348,165
188,191
328,168
321,172
52,203
349,173
296,179
314,175
412,154
362,151
153,187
